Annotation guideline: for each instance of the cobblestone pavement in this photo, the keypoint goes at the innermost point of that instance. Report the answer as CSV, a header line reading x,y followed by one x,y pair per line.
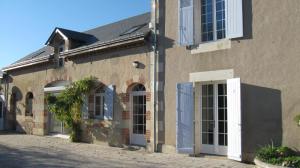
x,y
33,151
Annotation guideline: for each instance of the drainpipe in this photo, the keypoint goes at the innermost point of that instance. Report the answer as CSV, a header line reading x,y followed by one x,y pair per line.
x,y
155,6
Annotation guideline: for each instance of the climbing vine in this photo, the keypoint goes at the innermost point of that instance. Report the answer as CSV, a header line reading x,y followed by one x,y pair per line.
x,y
67,106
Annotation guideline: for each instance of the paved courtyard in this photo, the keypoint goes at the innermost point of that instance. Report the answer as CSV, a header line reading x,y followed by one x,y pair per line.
x,y
34,151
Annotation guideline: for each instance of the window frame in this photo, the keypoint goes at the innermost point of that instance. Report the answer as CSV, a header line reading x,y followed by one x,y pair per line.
x,y
102,106
214,19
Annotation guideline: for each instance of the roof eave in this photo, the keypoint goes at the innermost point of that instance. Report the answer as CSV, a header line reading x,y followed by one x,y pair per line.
x,y
117,42
27,63
105,45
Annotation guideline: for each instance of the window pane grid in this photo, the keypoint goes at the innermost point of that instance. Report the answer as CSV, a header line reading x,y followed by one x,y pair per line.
x,y
222,114
207,114
99,105
212,20
139,114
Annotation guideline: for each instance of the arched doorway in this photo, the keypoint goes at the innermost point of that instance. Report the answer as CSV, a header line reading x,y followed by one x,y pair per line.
x,y
55,126
138,108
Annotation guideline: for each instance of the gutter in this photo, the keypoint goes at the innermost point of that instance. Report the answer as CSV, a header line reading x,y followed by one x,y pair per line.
x,y
108,44
155,4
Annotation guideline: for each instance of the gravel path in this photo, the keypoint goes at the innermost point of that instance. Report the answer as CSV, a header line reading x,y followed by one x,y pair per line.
x,y
33,151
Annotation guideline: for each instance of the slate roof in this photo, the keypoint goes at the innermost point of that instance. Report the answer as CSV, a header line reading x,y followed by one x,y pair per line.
x,y
74,35
114,31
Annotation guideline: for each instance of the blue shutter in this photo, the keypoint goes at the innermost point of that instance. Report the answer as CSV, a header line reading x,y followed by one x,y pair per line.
x,y
234,18
185,118
109,102
186,22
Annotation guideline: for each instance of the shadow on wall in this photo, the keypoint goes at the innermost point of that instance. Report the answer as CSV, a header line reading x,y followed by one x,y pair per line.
x,y
15,97
261,118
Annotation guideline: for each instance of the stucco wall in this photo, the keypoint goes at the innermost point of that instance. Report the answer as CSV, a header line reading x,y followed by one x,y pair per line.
x,y
267,61
112,67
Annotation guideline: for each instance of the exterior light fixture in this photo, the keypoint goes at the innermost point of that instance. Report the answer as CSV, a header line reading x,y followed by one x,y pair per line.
x,y
136,64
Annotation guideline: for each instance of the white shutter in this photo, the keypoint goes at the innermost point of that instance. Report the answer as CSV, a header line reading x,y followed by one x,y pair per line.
x,y
186,22
185,118
234,18
109,102
85,108
234,119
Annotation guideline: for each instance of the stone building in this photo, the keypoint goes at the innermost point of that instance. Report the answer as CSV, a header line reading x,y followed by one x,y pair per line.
x,y
192,76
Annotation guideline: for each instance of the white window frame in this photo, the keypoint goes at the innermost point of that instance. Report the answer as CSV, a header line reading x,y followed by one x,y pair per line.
x,y
215,148
214,13
102,106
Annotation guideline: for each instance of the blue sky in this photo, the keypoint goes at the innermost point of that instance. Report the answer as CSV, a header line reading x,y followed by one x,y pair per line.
x,y
25,25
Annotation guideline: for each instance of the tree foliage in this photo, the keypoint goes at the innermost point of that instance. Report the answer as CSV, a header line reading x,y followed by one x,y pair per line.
x,y
67,106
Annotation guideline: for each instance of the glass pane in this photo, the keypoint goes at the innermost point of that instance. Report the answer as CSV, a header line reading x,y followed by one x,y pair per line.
x,y
204,102
221,114
204,90
98,101
204,126
207,20
204,138
220,18
211,101
210,114
211,138
97,110
221,89
221,127
211,126
221,101
204,114
221,139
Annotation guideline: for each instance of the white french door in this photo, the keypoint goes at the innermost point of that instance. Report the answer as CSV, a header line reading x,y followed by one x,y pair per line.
x,y
138,122
213,110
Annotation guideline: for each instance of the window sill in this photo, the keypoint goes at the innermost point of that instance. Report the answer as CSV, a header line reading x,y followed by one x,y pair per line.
x,y
212,46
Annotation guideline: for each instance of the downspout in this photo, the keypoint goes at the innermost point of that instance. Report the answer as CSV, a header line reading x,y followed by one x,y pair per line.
x,y
155,5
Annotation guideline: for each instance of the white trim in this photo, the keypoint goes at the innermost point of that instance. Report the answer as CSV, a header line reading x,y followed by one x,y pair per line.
x,y
54,89
211,75
60,33
221,44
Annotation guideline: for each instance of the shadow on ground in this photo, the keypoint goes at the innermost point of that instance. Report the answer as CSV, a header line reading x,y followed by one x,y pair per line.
x,y
35,157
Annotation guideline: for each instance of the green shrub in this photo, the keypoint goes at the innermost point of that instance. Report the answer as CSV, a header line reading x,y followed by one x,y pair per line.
x,y
292,161
67,105
282,156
